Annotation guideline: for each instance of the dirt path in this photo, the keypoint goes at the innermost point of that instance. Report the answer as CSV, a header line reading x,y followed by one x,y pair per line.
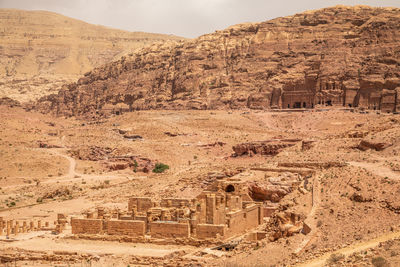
x,y
72,174
310,221
320,261
97,247
72,163
377,169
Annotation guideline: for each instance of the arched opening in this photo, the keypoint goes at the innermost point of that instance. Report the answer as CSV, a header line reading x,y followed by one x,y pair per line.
x,y
304,105
288,105
230,188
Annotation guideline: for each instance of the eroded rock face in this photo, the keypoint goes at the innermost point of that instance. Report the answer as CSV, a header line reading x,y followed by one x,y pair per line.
x,y
112,160
371,144
286,224
326,57
6,101
135,163
269,147
274,189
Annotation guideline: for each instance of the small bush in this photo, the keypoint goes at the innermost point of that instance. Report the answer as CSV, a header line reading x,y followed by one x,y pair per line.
x,y
160,167
379,262
334,258
39,200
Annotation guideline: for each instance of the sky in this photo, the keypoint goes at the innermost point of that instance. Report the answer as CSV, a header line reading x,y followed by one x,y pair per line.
x,y
187,18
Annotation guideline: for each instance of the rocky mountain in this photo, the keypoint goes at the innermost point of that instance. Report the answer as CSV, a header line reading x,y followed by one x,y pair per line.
x,y
346,56
40,50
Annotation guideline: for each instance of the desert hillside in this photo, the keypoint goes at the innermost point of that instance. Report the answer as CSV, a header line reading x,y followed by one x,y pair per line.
x,y
41,50
346,56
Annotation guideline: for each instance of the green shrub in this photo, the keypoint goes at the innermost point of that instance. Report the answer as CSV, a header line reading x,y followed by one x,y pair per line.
x,y
160,167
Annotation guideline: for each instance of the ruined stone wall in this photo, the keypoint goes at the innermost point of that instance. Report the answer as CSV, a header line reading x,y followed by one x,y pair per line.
x,y
123,227
174,202
211,209
163,229
205,231
87,226
240,221
254,215
234,203
142,203
236,223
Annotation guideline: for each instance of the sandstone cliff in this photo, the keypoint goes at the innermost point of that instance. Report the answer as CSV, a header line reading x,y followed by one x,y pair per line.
x,y
40,51
347,56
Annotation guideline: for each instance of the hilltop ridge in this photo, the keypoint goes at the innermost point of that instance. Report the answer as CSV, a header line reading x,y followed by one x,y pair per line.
x,y
41,50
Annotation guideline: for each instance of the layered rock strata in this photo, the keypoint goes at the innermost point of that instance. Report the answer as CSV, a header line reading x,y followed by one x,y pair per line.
x,y
345,56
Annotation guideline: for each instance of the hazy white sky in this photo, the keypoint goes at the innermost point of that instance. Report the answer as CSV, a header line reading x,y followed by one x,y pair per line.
x,y
188,18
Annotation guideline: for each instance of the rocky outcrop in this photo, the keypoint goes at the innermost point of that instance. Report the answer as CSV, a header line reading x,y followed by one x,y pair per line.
x,y
373,144
92,153
112,160
274,189
6,101
135,163
286,224
358,197
307,144
347,56
269,147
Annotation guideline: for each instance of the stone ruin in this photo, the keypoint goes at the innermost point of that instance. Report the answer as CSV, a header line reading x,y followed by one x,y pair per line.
x,y
15,227
223,212
229,208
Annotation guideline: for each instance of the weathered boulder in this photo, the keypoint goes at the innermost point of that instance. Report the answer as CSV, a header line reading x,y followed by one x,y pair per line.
x,y
307,144
268,147
359,197
377,145
285,224
274,189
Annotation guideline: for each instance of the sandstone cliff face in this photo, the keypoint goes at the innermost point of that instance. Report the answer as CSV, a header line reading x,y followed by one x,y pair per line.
x,y
335,56
40,51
